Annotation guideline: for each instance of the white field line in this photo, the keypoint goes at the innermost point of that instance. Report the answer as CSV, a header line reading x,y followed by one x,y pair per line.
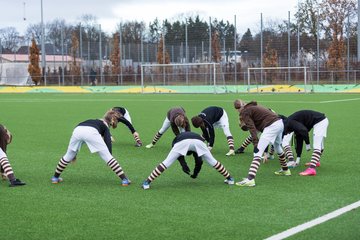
x,y
314,222
341,100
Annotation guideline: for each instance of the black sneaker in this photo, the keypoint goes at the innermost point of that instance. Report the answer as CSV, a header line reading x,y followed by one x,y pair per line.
x,y
239,150
16,183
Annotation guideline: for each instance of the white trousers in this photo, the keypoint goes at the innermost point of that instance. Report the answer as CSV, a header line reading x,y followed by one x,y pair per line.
x,y
271,134
92,138
195,145
223,123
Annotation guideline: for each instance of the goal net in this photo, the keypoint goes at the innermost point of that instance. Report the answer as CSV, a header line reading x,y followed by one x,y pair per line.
x,y
190,77
14,74
278,79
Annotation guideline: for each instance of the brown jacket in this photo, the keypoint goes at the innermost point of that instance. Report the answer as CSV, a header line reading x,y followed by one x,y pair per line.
x,y
256,118
172,114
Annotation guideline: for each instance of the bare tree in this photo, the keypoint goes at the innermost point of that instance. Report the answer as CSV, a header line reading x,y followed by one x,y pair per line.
x,y
9,38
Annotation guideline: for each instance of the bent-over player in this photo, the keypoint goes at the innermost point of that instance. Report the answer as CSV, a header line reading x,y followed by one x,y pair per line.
x,y
5,167
177,119
96,134
126,119
255,118
210,118
301,122
182,144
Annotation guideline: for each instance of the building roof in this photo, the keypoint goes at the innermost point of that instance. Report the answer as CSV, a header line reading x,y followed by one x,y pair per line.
x,y
25,58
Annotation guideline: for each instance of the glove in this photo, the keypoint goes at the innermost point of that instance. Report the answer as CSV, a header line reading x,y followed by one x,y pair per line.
x,y
256,150
186,169
308,147
193,176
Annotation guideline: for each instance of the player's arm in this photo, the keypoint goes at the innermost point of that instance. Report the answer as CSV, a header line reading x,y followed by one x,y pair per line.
x,y
300,130
107,140
184,165
211,132
249,123
299,145
198,164
128,124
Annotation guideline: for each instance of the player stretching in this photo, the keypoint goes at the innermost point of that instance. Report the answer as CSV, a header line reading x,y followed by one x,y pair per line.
x,y
6,170
214,117
184,143
126,119
301,123
96,134
255,118
176,118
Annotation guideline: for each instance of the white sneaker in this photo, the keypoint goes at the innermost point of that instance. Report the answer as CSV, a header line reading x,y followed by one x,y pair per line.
x,y
150,145
231,153
246,183
229,181
292,164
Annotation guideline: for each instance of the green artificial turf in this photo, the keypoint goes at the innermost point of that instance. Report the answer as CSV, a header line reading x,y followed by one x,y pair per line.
x,y
91,203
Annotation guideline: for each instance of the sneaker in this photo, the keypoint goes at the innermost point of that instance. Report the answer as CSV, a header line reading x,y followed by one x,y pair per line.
x,y
309,172
283,173
292,164
239,150
229,181
56,180
125,182
150,145
231,153
146,185
309,163
246,183
16,183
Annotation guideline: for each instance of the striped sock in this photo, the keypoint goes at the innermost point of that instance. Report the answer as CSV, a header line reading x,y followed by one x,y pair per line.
x,y
60,167
156,172
315,157
137,140
282,161
289,153
5,164
255,164
156,138
115,166
221,169
230,141
246,142
272,150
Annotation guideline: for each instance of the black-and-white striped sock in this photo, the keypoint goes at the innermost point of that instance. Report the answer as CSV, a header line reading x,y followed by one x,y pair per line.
x,y
246,142
282,161
156,138
255,164
156,172
288,153
115,166
5,164
230,141
60,167
315,158
221,169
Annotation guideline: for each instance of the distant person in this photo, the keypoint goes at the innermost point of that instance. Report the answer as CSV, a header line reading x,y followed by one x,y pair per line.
x,y
182,144
255,118
126,119
93,77
96,134
210,118
5,167
177,119
301,122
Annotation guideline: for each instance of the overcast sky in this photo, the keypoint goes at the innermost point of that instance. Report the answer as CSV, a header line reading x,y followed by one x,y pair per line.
x,y
111,12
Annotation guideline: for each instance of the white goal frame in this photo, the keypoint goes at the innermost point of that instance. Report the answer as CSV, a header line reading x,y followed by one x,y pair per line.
x,y
277,68
213,65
